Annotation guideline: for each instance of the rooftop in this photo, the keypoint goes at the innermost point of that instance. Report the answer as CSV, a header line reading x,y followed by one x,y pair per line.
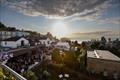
x,y
43,37
12,39
102,54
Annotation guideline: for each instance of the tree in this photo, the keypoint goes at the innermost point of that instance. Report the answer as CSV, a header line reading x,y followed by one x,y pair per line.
x,y
77,52
30,75
109,39
11,28
2,26
82,58
1,74
103,40
5,28
95,45
76,43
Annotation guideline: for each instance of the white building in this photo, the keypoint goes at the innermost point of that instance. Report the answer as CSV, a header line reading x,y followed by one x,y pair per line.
x,y
14,42
63,45
6,34
100,60
46,41
9,34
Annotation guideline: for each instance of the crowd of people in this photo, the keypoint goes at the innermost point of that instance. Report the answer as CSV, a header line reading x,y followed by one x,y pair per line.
x,y
22,63
4,56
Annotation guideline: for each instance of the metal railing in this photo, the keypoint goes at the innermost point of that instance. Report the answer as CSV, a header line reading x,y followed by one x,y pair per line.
x,y
12,72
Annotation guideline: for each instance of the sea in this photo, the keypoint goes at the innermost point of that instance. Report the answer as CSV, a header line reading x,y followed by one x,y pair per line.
x,y
80,40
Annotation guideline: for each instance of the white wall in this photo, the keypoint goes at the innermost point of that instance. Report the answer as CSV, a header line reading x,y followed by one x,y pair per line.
x,y
11,44
14,44
63,45
26,42
46,42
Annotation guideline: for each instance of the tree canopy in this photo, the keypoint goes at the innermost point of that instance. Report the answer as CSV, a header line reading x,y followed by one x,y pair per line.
x,y
5,28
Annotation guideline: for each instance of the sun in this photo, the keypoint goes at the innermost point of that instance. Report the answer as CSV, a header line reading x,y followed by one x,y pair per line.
x,y
59,29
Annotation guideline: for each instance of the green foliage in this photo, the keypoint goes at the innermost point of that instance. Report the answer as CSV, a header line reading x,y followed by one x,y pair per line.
x,y
5,75
95,45
2,25
56,56
77,53
5,28
1,76
30,75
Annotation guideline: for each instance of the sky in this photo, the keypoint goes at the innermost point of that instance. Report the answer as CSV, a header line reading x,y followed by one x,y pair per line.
x,y
81,17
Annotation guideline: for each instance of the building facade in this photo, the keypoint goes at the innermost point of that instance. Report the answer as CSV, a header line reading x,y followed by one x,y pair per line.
x,y
9,34
101,60
63,45
15,42
46,41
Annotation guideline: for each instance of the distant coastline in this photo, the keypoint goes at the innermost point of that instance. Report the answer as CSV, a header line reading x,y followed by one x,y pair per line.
x,y
94,36
80,40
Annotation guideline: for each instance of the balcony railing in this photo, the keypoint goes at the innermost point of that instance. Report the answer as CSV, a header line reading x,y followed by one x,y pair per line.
x,y
12,72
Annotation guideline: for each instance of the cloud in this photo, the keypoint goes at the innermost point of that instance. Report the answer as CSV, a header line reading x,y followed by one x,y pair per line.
x,y
110,20
64,9
55,8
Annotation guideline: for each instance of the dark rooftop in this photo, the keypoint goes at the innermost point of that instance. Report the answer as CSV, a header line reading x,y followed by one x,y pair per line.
x,y
12,39
43,37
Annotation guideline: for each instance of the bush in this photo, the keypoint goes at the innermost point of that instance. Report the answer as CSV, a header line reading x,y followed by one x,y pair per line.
x,y
30,75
